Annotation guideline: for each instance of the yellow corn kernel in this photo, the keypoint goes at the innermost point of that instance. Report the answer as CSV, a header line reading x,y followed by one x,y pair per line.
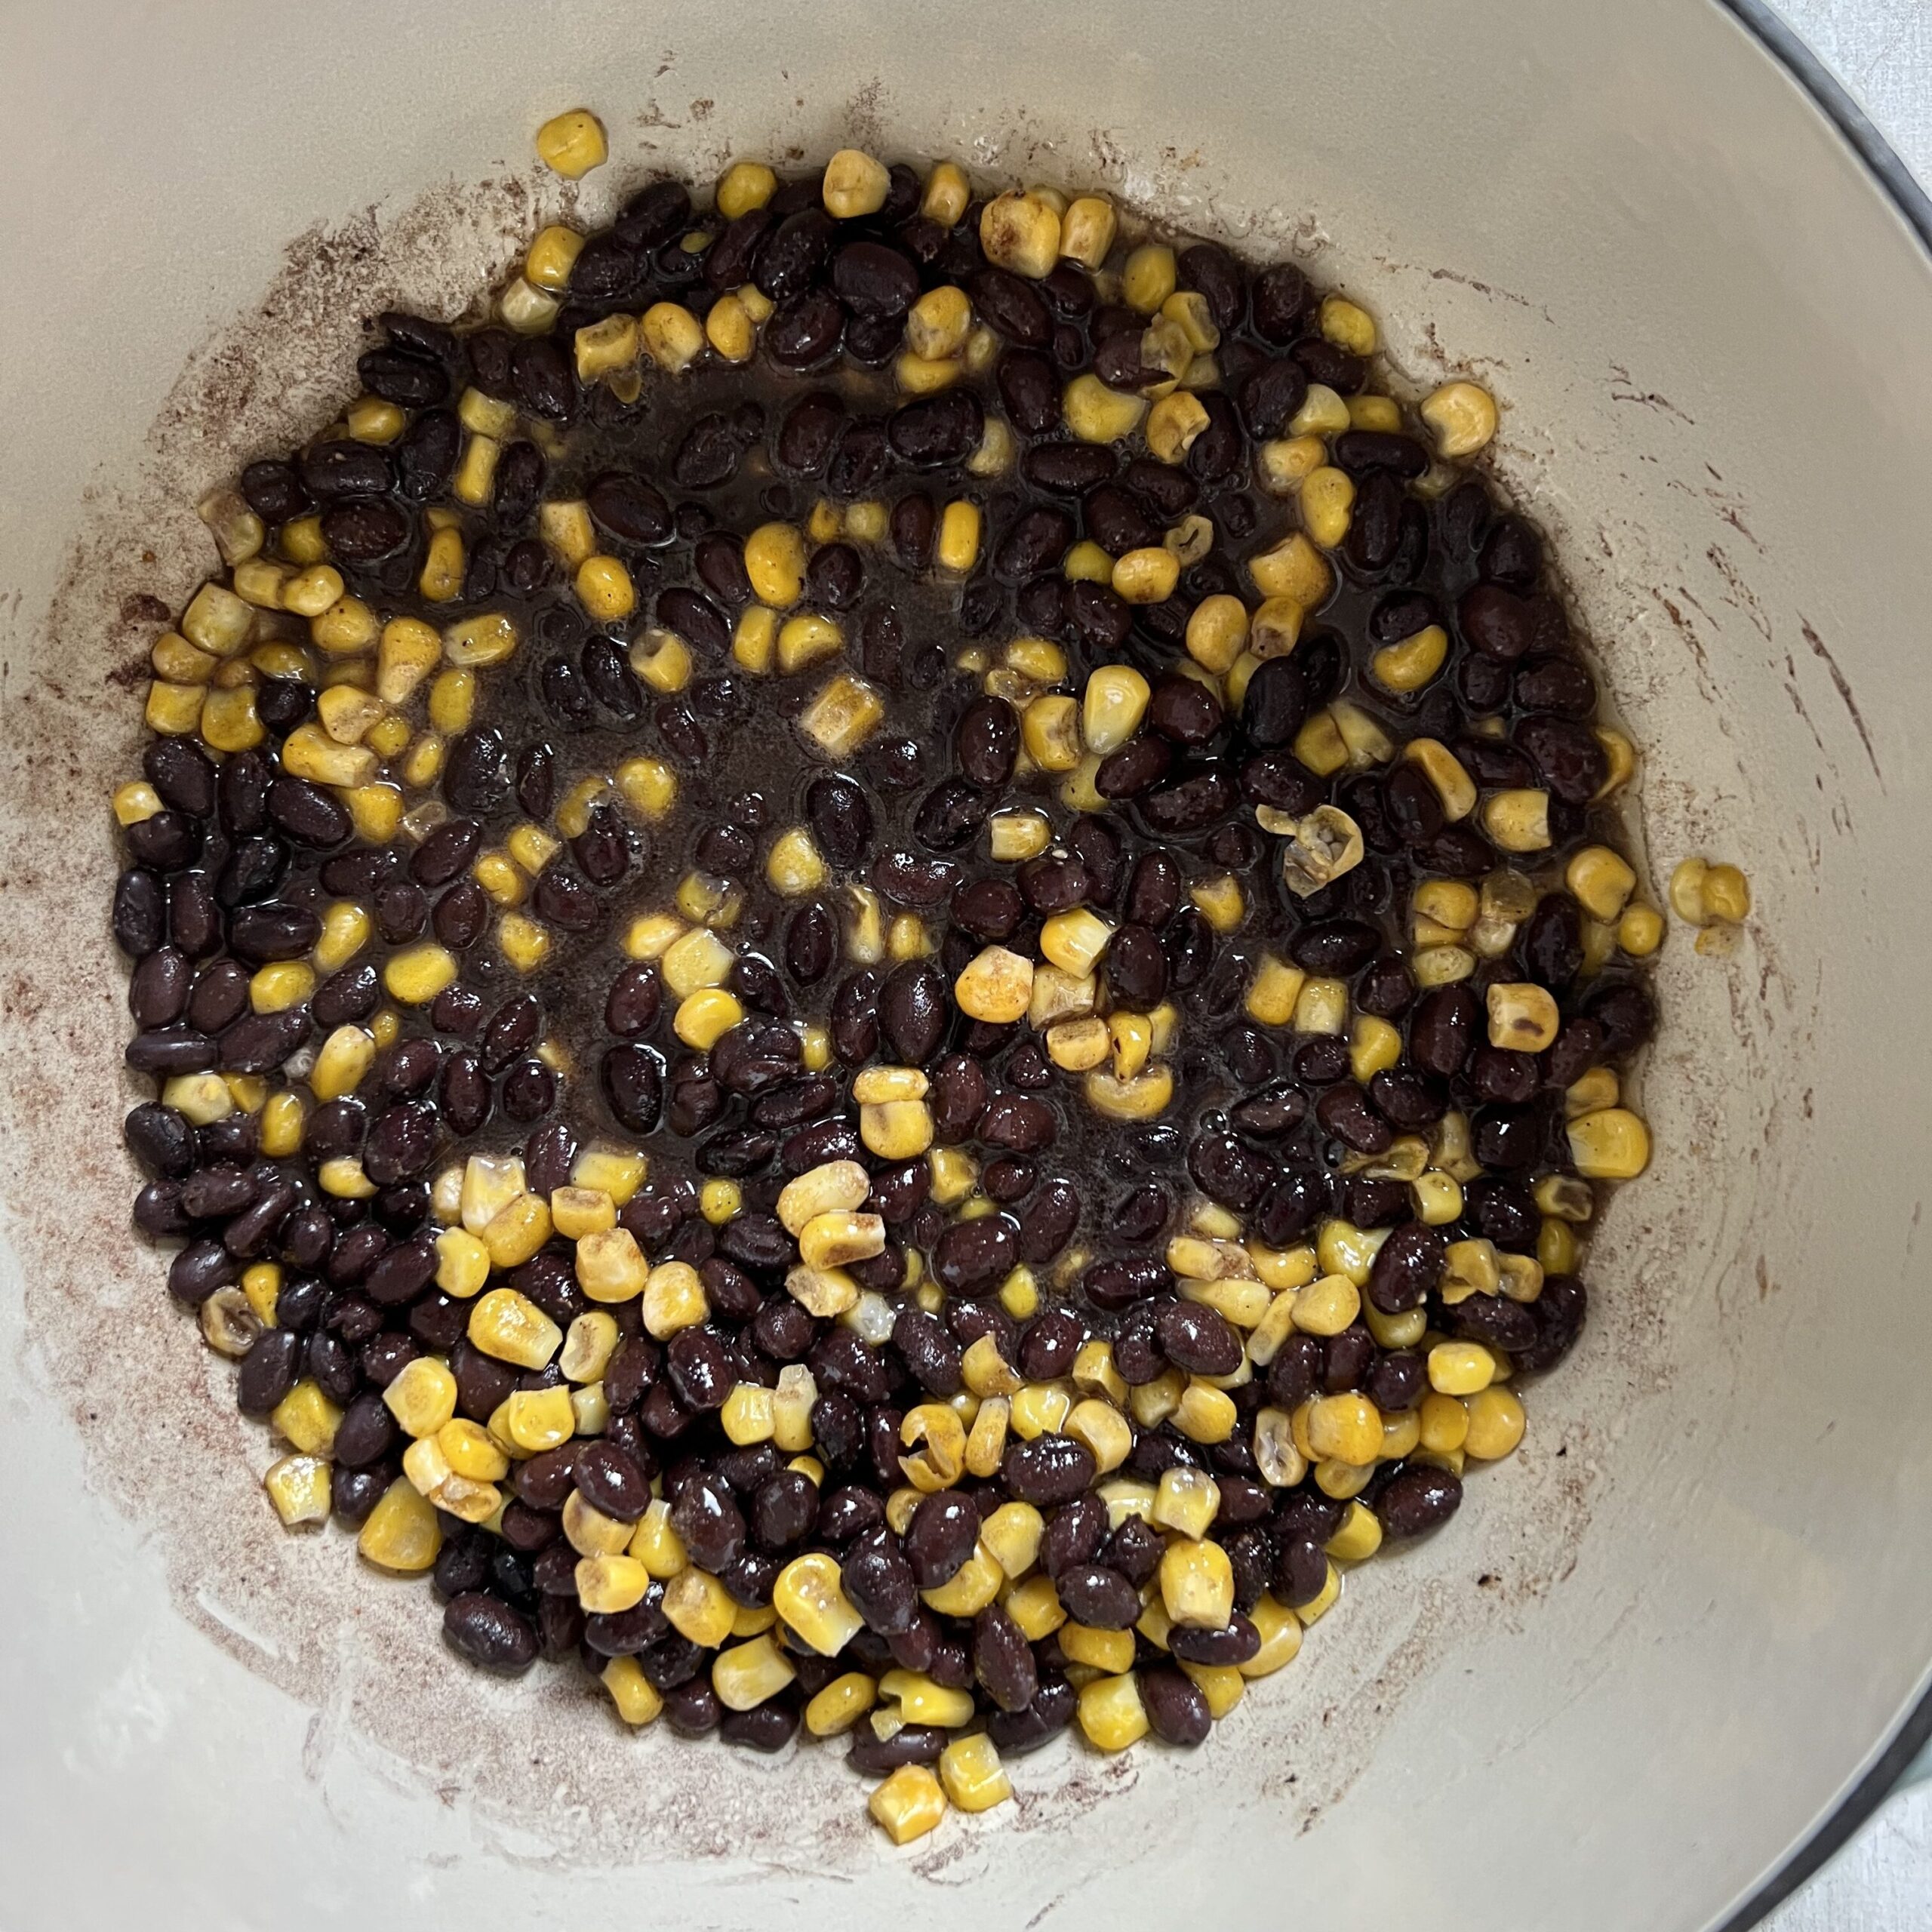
x,y
1640,931
834,1239
1459,1368
971,1774
610,1266
282,1126
1611,1144
896,1130
648,785
572,144
307,1419
452,701
1359,1537
973,1586
703,1018
1517,819
729,329
908,1804
744,1675
749,1414
300,1487
1293,569
549,260
1144,1095
1463,415
1220,902
1095,414
508,1327
539,1419
1347,325
1086,230
1344,1428
854,185
401,1533
1073,941
674,1298
588,1344
743,186
1496,1424
1020,230
606,1585
1522,1016
347,628
177,662
947,192
1409,665
846,712
633,1694
1328,499
418,973
775,561
423,1398
997,985
1109,1651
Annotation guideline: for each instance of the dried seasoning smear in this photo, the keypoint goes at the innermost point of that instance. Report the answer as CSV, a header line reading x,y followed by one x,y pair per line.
x,y
156,1411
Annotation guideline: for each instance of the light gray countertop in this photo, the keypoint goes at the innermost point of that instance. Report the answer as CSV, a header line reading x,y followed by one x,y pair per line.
x,y
1881,52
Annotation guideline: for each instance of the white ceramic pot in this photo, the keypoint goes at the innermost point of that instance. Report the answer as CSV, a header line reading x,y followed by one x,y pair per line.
x,y
1657,1648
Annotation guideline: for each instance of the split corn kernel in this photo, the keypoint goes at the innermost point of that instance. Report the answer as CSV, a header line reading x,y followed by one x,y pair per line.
x,y
1611,1144
854,185
1463,415
997,985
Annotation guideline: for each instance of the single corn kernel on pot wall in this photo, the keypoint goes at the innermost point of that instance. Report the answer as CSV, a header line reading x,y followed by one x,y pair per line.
x,y
902,871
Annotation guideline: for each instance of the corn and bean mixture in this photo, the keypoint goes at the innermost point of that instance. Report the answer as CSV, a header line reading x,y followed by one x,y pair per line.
x,y
886,962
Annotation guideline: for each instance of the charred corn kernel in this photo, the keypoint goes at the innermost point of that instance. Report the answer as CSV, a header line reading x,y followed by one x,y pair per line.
x,y
1112,706
1094,413
1522,1016
1327,498
401,1533
809,1596
300,1487
855,185
1147,576
418,973
572,144
633,1694
1020,230
1073,941
1086,230
703,1018
307,1419
997,985
423,1398
1347,325
1344,1428
908,1804
508,1327
1611,1144
1517,819
747,1415
674,1298
1294,568
1412,664
1459,1368
844,715
1496,1425
1463,415
1220,902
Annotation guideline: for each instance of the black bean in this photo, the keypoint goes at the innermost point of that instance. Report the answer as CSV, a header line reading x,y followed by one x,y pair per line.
x,y
270,1371
1418,1498
488,1632
936,431
1050,1713
878,1579
1049,1469
634,1085
974,1257
1016,1122
1407,1268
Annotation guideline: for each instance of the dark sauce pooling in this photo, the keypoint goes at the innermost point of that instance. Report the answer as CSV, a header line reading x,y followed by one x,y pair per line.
x,y
886,965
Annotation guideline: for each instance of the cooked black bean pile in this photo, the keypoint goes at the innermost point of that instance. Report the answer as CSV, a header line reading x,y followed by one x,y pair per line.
x,y
886,961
